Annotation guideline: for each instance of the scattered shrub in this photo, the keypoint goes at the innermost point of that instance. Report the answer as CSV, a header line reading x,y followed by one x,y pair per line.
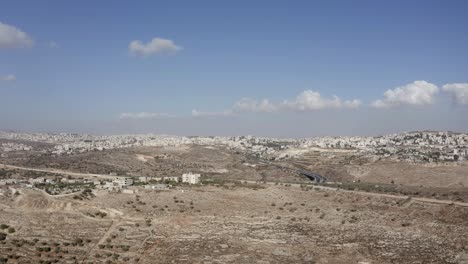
x,y
125,247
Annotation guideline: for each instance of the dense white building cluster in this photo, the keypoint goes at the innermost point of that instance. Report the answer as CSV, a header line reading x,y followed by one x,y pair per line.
x,y
413,139
413,146
7,147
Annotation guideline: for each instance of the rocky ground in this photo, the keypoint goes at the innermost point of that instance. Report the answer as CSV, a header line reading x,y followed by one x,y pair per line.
x,y
243,223
225,221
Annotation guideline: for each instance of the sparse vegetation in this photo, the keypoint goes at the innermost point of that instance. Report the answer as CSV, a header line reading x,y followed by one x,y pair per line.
x,y
230,216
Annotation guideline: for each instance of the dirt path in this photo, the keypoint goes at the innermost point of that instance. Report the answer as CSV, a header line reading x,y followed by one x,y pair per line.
x,y
423,200
109,231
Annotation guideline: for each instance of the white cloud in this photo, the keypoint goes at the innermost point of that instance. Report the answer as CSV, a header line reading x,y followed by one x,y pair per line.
x,y
252,105
12,37
196,113
458,90
416,93
353,104
8,78
155,46
53,45
306,101
143,115
310,100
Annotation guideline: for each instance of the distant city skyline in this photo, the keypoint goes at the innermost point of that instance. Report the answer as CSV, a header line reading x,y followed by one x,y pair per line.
x,y
265,68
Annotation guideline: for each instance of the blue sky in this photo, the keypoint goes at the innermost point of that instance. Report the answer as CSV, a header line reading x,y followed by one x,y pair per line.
x,y
75,71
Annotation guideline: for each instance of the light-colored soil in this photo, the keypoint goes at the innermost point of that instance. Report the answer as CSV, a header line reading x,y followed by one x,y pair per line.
x,y
436,175
236,224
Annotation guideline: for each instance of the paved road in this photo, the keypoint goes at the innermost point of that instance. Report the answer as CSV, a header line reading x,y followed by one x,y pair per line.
x,y
55,171
311,175
105,176
393,196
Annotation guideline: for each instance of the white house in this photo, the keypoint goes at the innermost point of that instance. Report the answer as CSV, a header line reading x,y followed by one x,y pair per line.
x,y
8,181
37,180
123,181
191,178
158,187
129,191
69,180
111,186
143,179
460,152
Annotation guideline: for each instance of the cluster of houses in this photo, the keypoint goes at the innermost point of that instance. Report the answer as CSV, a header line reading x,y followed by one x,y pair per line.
x,y
7,147
78,143
124,182
425,146
8,181
429,146
40,180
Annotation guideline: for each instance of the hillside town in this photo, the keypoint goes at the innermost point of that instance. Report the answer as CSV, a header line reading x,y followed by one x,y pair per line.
x,y
425,146
56,184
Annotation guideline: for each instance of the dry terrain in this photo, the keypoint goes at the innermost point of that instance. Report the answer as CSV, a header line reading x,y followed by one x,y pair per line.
x,y
233,223
248,210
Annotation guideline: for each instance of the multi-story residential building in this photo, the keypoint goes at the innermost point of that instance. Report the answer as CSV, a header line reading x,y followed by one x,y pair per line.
x,y
191,178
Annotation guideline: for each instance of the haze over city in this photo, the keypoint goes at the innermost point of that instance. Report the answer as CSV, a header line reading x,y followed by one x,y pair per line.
x,y
267,68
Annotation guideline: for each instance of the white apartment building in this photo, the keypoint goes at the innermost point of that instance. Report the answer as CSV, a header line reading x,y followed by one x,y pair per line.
x,y
191,178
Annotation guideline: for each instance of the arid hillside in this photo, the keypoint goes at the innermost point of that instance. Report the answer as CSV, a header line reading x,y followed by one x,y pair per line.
x,y
241,223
